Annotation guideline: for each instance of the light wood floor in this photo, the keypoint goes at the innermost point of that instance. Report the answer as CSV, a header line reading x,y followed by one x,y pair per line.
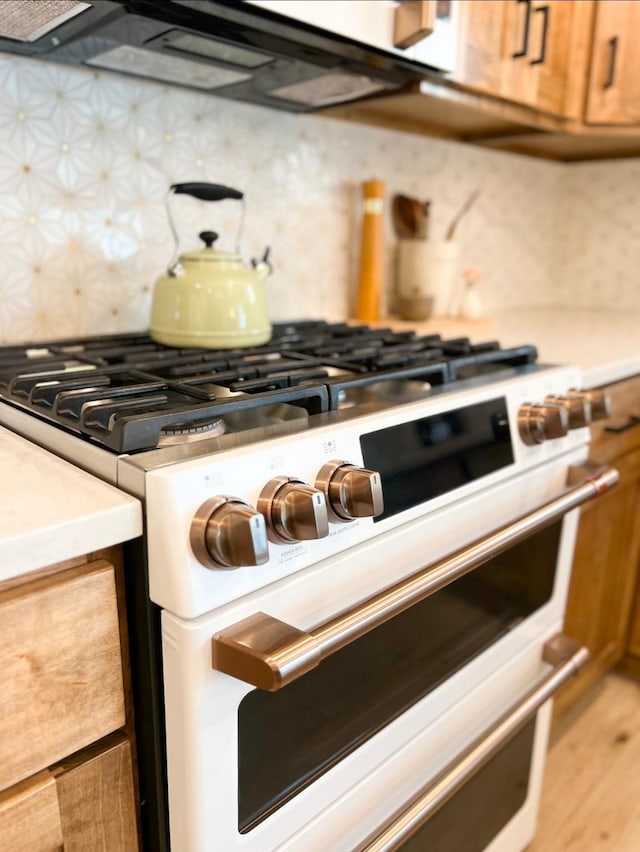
x,y
591,796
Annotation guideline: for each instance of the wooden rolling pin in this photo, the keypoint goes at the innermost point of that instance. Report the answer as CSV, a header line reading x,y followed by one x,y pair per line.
x,y
371,251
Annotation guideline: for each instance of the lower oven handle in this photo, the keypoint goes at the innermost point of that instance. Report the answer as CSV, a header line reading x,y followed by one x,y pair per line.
x,y
568,658
268,653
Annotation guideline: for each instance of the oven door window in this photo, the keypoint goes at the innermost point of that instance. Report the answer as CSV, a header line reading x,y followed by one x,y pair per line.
x,y
288,739
474,816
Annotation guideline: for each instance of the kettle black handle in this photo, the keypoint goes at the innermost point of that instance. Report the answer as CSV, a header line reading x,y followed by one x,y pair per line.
x,y
207,191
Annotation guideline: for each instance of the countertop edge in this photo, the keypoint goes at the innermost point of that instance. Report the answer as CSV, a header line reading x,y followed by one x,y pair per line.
x,y
30,551
607,374
52,511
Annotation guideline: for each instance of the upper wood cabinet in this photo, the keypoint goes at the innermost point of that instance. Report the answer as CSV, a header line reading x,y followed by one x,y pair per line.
x,y
528,52
614,80
480,63
558,79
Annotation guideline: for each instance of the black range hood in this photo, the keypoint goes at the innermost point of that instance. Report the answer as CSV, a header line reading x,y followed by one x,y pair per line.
x,y
230,49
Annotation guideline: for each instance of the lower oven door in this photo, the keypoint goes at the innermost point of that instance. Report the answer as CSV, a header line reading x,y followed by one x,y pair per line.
x,y
324,761
485,798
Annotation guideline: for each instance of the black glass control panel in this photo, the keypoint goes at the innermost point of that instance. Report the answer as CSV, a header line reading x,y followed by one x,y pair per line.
x,y
425,458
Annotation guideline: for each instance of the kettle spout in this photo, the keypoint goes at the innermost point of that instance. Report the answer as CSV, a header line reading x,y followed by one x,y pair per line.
x,y
263,266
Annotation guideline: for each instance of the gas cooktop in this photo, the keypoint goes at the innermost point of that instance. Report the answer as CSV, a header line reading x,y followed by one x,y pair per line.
x,y
128,393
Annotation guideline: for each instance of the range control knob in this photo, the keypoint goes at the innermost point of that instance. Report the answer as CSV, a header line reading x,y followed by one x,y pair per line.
x,y
599,401
351,492
578,408
538,422
294,510
226,532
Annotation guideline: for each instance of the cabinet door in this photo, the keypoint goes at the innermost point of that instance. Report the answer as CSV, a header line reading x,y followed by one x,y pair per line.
x,y
527,51
480,45
604,575
96,798
547,44
85,804
614,82
633,647
60,668
29,816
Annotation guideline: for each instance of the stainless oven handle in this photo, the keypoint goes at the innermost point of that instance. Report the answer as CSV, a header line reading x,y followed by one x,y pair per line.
x,y
567,658
268,653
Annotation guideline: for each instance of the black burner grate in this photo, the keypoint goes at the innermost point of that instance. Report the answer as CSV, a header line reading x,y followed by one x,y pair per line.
x,y
124,390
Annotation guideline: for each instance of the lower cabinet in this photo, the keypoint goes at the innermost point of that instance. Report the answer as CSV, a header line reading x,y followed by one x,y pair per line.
x,y
85,804
66,758
603,608
29,815
633,647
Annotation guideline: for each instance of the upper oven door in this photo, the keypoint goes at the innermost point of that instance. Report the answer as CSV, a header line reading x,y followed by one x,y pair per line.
x,y
252,767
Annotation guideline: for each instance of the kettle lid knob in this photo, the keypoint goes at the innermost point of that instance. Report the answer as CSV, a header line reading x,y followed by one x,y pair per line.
x,y
208,237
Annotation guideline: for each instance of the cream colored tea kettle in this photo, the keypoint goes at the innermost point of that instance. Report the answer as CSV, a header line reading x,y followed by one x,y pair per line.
x,y
210,298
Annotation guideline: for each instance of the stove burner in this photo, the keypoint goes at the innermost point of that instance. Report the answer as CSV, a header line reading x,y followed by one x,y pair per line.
x,y
186,433
128,393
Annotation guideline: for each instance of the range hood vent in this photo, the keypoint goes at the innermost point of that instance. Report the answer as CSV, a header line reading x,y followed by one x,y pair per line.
x,y
231,49
28,21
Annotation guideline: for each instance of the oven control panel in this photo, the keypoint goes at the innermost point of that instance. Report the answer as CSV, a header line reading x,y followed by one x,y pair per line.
x,y
225,524
228,533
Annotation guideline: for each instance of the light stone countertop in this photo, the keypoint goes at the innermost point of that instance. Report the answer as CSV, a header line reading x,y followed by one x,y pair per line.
x,y
51,511
605,344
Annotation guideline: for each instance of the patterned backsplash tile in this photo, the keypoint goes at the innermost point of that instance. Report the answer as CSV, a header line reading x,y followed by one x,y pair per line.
x,y
86,160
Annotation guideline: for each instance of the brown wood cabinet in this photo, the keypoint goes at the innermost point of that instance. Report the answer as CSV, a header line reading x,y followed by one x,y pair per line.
x,y
480,62
633,645
96,798
614,79
29,816
66,763
568,91
604,582
84,805
528,52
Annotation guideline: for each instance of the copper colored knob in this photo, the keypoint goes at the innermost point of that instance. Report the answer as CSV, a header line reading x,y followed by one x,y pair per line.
x,y
538,422
599,401
227,532
293,510
351,492
578,408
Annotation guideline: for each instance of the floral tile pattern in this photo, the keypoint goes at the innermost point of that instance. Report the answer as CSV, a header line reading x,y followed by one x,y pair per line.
x,y
86,160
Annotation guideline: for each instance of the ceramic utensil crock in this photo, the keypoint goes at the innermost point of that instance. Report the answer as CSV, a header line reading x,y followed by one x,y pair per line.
x,y
210,298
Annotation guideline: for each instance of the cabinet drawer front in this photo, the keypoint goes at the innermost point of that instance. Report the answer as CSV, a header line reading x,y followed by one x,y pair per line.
x,y
96,798
60,668
620,433
29,816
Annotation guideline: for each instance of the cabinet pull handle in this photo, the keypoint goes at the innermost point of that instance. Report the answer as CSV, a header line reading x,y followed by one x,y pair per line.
x,y
567,658
525,40
633,420
545,30
269,653
611,72
413,21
